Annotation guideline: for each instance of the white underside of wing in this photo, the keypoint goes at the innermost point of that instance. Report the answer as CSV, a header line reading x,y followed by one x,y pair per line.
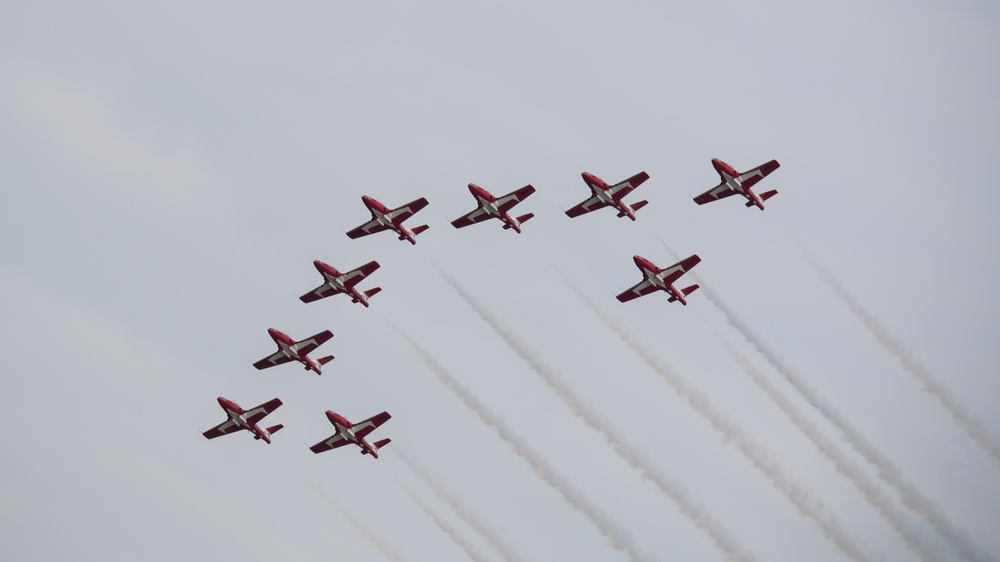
x,y
476,214
641,286
276,356
593,203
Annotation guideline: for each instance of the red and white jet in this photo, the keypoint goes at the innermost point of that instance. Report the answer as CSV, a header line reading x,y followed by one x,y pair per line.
x,y
245,419
291,350
610,196
495,207
336,282
348,432
734,182
656,279
384,218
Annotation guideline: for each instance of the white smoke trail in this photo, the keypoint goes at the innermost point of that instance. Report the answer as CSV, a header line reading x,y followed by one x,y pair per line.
x,y
374,539
453,533
872,493
911,497
802,498
611,530
458,506
719,536
937,388
887,470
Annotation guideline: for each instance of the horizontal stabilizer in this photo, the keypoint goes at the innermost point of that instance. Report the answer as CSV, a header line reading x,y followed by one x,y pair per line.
x,y
686,291
639,205
377,445
325,360
371,292
274,428
768,194
523,218
418,229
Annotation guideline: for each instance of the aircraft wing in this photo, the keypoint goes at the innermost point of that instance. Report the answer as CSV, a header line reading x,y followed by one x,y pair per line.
x,y
674,272
224,428
622,189
370,227
352,277
508,201
478,214
320,292
306,346
640,289
720,191
361,429
276,358
332,442
751,177
257,413
587,206
400,214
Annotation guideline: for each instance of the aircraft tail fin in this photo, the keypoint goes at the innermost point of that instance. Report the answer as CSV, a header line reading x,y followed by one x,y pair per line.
x,y
418,229
377,445
325,360
274,428
523,218
685,291
638,205
763,197
371,292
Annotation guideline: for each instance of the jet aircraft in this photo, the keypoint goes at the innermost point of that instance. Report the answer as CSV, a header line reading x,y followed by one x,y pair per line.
x,y
245,419
384,218
734,182
353,433
610,196
291,350
336,282
656,279
491,206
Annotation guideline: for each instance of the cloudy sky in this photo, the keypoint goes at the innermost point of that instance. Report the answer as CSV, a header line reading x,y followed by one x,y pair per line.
x,y
170,170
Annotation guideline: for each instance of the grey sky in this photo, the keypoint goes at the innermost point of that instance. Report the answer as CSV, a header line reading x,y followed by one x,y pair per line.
x,y
169,171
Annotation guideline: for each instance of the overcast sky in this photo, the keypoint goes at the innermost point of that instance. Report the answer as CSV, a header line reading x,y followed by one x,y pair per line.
x,y
170,170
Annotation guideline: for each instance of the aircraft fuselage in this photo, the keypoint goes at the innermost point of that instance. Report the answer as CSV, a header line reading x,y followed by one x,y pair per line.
x,y
603,193
655,277
489,204
732,180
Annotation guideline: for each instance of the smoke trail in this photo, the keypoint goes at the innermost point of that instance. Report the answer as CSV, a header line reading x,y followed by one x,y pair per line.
x,y
613,532
374,539
459,507
454,534
872,493
803,499
969,421
887,470
719,536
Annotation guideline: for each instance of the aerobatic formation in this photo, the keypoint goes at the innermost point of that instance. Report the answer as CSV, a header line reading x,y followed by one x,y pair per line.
x,y
488,206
